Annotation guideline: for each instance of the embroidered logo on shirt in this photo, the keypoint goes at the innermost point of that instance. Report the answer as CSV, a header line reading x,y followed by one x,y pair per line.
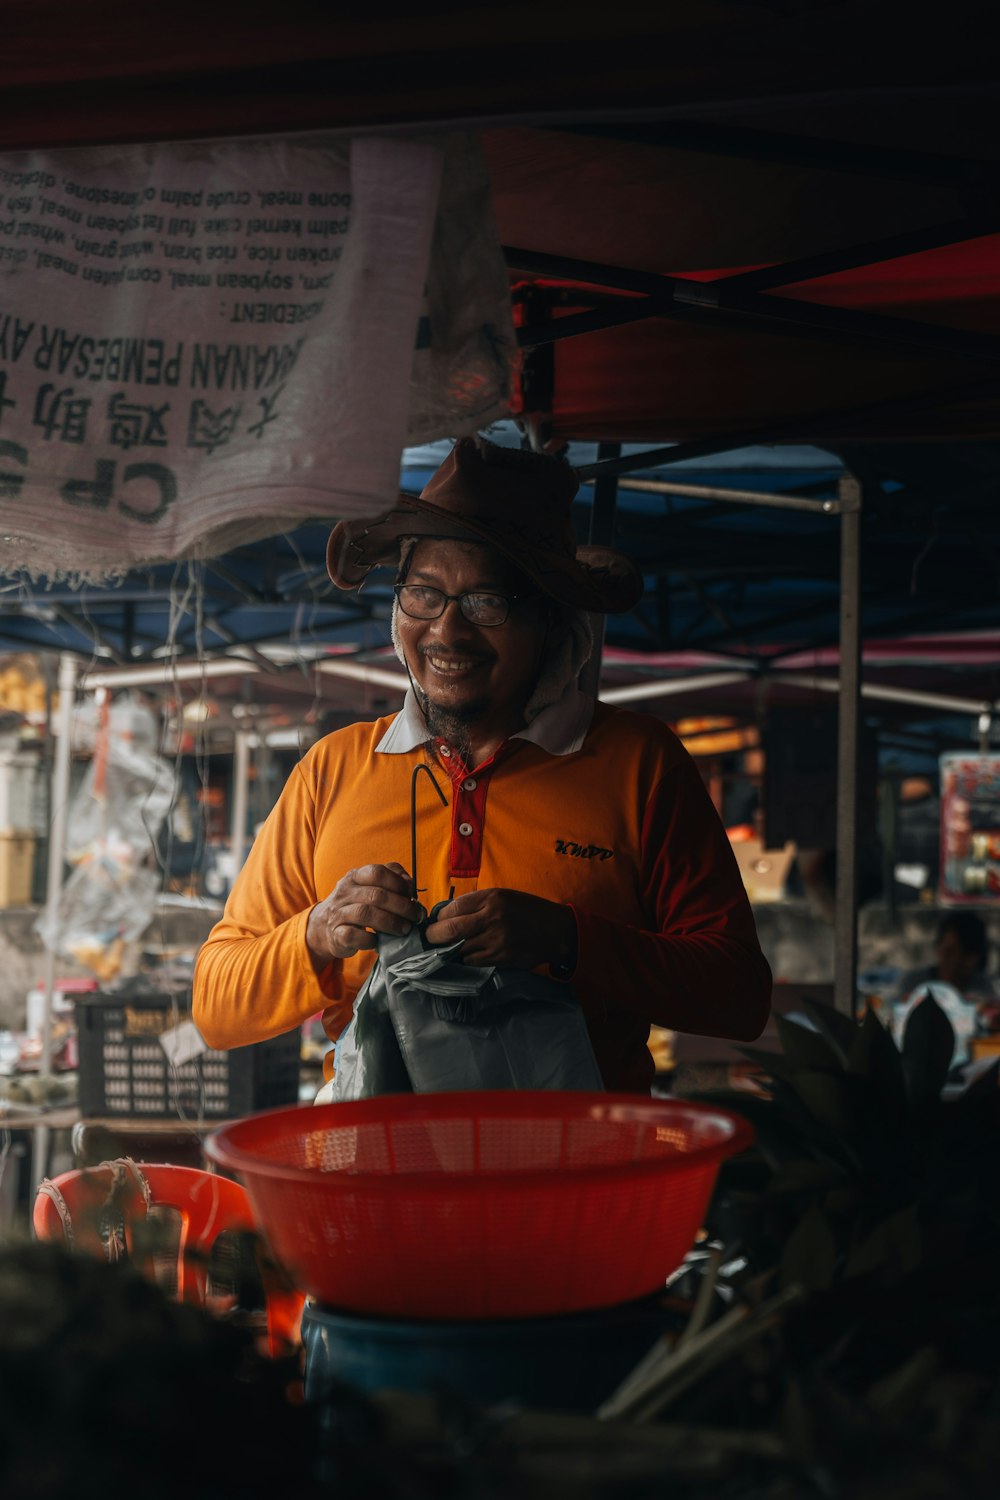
x,y
582,851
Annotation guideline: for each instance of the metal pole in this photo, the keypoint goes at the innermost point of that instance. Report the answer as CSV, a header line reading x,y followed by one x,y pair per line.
x,y
883,692
59,804
361,672
169,673
730,496
669,686
602,534
241,778
846,915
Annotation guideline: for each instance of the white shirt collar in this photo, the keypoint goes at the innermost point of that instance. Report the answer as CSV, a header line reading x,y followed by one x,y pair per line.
x,y
560,729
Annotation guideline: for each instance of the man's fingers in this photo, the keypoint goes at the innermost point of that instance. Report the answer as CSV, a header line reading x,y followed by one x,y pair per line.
x,y
391,915
477,956
352,939
388,877
440,934
463,918
370,901
463,906
377,889
350,936
455,929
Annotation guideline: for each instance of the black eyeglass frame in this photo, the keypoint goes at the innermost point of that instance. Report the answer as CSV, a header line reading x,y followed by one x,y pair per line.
x,y
446,599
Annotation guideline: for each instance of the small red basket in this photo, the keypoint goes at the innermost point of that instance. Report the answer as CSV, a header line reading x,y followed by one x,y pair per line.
x,y
480,1205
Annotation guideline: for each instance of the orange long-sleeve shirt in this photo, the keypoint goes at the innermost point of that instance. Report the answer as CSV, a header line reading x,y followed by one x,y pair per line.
x,y
621,829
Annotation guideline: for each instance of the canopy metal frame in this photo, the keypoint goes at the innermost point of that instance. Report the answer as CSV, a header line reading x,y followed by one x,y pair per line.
x,y
847,509
747,299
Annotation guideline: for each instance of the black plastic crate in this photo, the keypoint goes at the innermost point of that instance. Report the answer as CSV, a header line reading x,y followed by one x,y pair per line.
x,y
125,1071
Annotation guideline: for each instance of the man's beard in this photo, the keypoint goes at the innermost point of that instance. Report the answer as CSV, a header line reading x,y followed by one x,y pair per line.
x,y
453,725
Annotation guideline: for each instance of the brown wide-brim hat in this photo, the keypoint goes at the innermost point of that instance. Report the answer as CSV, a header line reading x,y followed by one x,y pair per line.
x,y
517,502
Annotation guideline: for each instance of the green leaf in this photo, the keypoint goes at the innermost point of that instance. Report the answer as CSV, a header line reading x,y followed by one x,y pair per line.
x,y
797,1422
804,1177
867,1036
984,1083
977,1105
840,1202
805,1047
928,1044
809,1257
827,1097
895,1244
875,1057
905,1390
833,1024
775,1138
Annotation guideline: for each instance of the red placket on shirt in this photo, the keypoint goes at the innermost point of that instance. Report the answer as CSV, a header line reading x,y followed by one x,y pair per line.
x,y
469,790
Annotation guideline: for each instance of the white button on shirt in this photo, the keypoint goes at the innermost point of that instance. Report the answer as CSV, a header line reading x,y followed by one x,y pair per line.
x,y
465,829
469,784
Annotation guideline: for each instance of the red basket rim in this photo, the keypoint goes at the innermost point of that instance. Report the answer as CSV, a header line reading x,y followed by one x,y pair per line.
x,y
549,1103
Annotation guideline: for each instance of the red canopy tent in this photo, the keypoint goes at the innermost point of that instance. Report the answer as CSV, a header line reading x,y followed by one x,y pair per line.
x,y
755,171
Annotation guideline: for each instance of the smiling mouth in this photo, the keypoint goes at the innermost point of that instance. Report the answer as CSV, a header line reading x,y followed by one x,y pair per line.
x,y
453,666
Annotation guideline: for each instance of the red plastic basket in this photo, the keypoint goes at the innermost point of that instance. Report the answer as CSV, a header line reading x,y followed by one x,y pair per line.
x,y
480,1205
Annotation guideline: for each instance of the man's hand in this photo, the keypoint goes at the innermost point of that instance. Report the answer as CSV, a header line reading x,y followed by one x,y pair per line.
x,y
508,928
362,904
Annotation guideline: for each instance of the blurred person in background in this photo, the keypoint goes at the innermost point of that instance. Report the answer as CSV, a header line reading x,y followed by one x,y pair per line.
x,y
961,953
957,980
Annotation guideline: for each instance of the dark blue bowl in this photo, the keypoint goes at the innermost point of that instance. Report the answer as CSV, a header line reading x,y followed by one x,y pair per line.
x,y
567,1363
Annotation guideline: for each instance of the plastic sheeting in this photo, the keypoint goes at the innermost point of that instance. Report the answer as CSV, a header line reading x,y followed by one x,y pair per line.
x,y
206,342
113,824
424,1022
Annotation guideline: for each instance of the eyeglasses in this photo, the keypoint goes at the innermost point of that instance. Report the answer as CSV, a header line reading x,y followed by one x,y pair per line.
x,y
423,603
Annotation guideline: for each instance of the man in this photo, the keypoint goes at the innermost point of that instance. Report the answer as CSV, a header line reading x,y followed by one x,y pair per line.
x,y
961,950
577,840
957,982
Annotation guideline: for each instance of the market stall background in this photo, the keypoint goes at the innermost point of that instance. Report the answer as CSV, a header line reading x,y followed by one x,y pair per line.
x,y
726,226
755,227
727,230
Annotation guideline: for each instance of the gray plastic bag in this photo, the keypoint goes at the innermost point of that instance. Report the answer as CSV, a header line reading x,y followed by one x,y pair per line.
x,y
426,1023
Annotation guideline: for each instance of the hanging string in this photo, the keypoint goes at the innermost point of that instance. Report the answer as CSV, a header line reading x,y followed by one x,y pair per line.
x,y
414,888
